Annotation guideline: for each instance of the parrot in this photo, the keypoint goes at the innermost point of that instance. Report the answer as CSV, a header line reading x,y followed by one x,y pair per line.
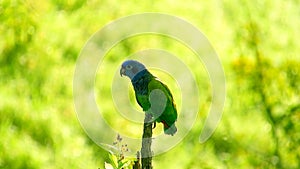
x,y
152,95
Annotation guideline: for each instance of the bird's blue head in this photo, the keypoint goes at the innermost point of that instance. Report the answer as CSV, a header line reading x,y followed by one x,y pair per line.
x,y
131,68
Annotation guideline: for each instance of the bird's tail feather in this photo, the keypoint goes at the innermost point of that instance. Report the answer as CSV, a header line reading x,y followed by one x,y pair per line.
x,y
170,130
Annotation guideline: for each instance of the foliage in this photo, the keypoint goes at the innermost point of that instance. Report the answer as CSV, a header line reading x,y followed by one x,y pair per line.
x,y
118,160
257,42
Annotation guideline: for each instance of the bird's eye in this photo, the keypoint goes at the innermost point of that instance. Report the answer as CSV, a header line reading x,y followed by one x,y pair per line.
x,y
128,67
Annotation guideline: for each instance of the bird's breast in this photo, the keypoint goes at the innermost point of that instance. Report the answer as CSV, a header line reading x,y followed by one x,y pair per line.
x,y
140,87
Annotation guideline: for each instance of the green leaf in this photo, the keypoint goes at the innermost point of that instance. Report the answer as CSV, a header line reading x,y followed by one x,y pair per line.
x,y
113,160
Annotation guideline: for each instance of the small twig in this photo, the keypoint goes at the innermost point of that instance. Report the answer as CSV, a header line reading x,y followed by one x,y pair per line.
x,y
137,164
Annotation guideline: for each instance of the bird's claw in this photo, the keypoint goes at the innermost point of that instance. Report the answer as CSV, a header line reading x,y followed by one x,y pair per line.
x,y
154,125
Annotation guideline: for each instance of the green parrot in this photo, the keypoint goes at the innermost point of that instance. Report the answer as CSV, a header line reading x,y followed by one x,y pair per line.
x,y
152,95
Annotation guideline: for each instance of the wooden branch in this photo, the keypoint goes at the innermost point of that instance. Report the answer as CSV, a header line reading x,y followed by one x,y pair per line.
x,y
146,152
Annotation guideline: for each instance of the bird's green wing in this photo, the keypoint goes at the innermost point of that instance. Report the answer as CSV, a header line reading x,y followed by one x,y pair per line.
x,y
162,103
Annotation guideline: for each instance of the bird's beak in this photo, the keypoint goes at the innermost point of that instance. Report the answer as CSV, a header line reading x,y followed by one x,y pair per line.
x,y
122,71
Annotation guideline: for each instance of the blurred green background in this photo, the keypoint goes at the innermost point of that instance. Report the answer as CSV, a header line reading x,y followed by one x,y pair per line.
x,y
257,42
